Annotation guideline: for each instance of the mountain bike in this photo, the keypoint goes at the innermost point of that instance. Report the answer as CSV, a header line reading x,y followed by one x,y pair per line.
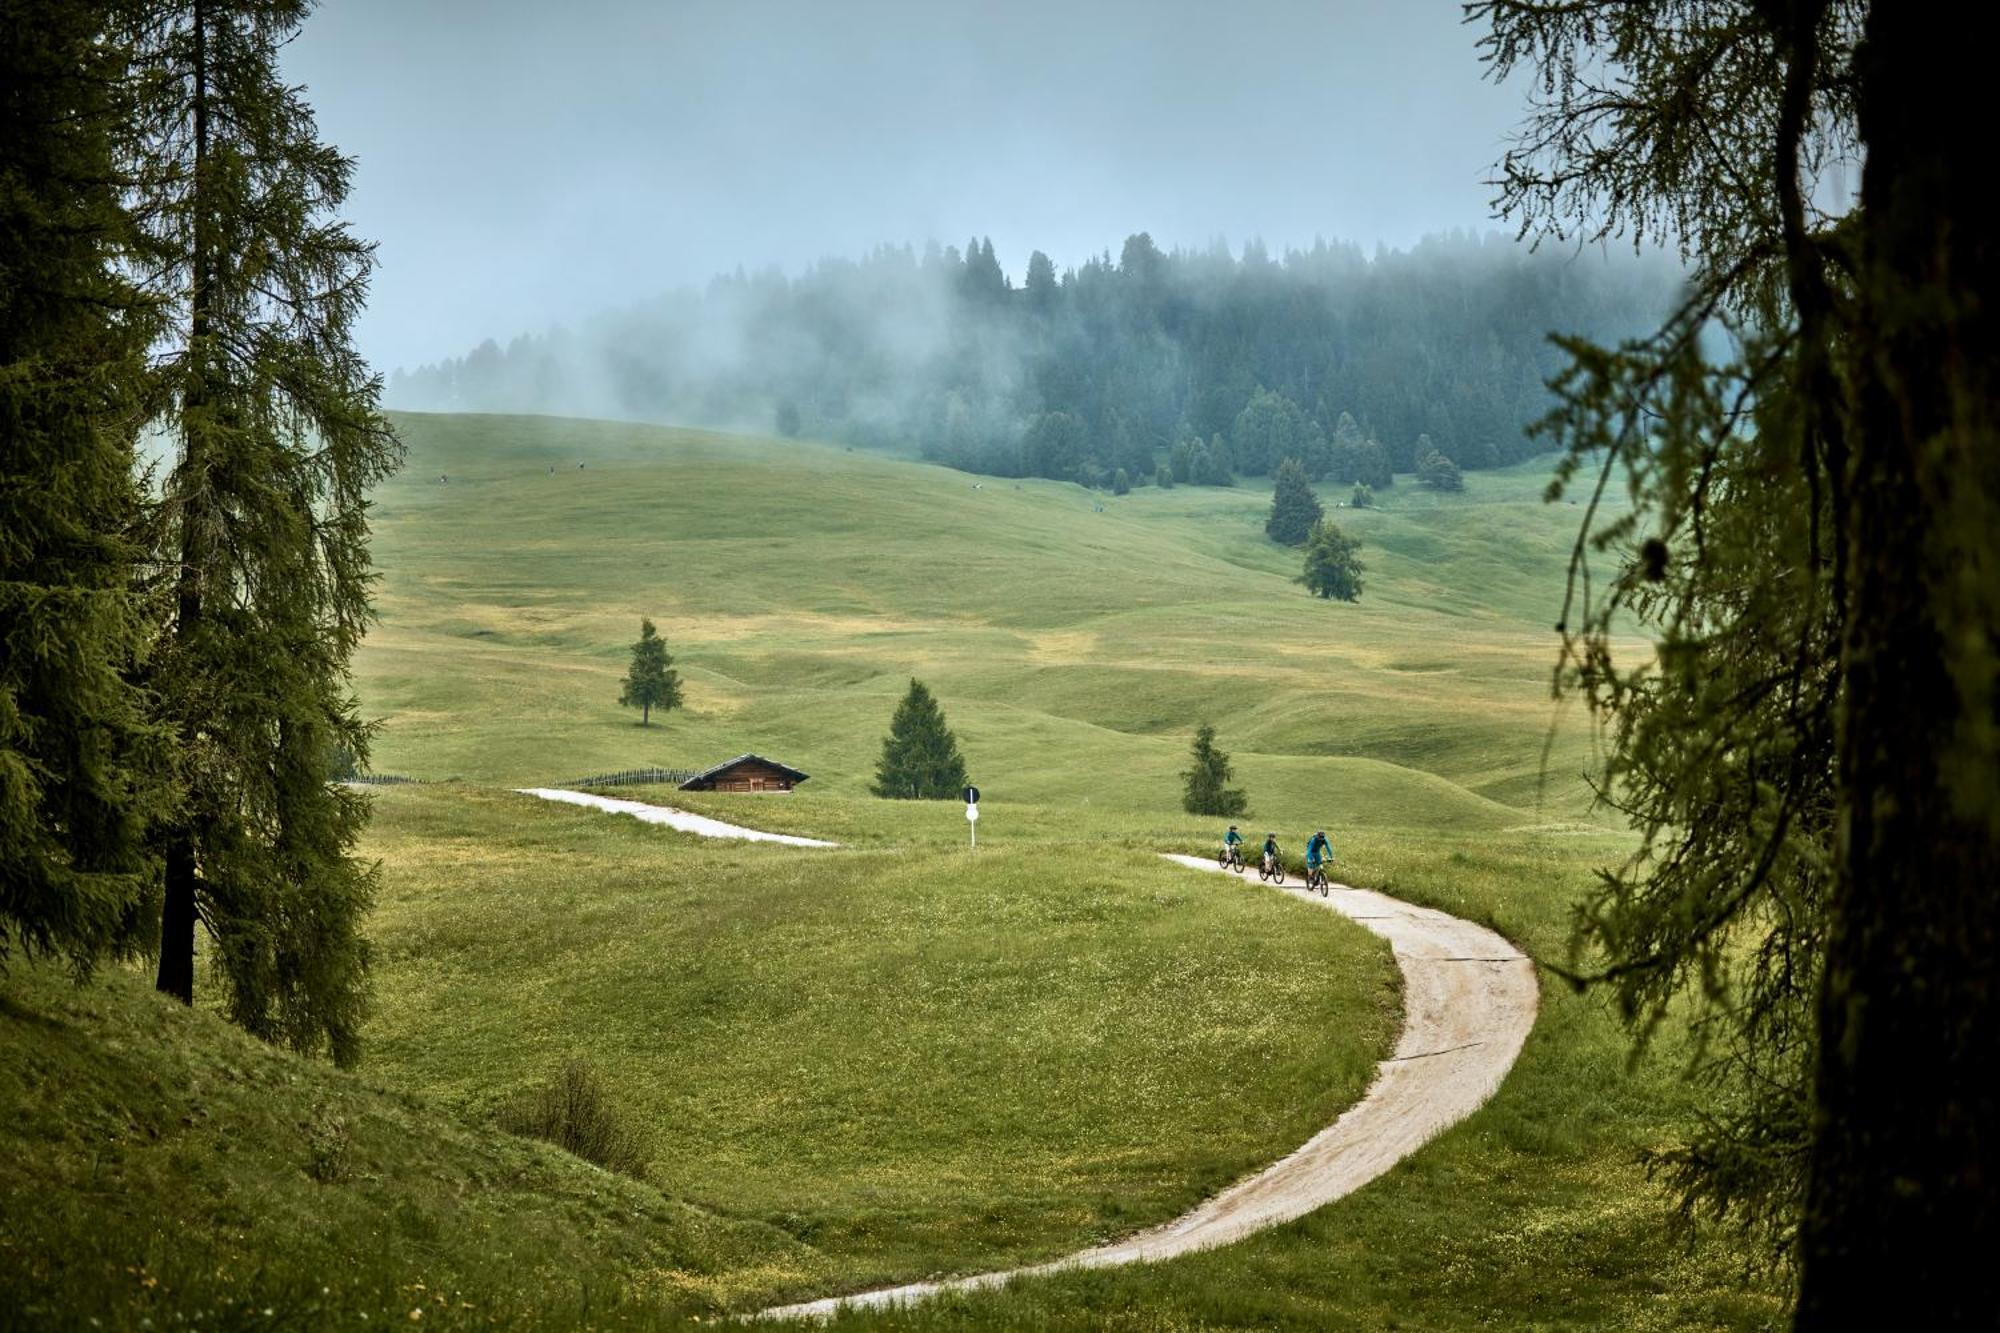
x,y
1271,870
1316,879
1231,858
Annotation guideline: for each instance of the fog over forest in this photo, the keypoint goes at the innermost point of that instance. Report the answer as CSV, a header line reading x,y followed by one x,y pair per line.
x,y
1212,362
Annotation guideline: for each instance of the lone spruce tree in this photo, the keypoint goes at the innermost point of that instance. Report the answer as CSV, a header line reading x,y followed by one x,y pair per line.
x,y
1207,777
1294,507
78,760
651,681
262,533
920,758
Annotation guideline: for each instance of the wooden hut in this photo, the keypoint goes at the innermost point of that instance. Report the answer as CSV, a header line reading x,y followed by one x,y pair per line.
x,y
746,772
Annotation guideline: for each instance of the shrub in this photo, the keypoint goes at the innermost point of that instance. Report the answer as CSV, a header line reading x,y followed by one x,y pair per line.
x,y
575,1113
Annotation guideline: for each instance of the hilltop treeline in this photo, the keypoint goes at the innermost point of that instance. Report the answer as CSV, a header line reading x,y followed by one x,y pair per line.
x,y
1184,365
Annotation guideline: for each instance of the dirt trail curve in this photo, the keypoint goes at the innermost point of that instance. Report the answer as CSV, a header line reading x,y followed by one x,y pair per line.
x,y
1469,999
678,819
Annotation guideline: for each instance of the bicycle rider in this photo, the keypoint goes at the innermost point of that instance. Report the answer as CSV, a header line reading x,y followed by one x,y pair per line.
x,y
1318,851
1231,840
1270,851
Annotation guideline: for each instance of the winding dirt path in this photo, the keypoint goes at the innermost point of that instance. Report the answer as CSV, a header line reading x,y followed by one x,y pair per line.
x,y
672,818
1469,1000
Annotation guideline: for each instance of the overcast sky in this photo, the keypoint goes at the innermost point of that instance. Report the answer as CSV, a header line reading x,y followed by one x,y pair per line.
x,y
524,162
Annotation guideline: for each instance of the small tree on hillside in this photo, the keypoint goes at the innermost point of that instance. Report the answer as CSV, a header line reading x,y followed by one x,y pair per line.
x,y
1294,507
651,681
1363,497
1438,472
920,758
1208,791
1333,563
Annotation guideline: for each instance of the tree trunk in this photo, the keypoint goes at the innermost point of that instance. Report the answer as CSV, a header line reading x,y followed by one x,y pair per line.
x,y
178,912
177,920
1903,1206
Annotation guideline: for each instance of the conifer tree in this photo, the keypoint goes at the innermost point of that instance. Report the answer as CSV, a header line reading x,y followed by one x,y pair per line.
x,y
1294,507
920,757
651,681
78,760
1809,540
1333,564
262,526
1041,282
1438,472
1207,790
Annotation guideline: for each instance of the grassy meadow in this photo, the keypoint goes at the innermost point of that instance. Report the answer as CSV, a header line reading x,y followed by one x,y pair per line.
x,y
800,586
897,1058
917,1061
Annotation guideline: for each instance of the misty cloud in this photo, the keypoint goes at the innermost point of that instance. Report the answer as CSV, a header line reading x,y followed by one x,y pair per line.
x,y
524,164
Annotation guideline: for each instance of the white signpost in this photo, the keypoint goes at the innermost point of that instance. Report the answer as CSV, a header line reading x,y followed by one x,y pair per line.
x,y
972,815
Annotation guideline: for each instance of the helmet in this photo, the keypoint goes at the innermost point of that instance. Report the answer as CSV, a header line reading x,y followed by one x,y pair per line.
x,y
1321,833
1232,828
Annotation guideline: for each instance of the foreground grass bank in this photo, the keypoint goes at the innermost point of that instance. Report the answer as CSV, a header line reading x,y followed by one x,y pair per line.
x,y
161,1169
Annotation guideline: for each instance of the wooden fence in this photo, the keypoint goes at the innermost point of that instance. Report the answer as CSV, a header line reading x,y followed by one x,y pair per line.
x,y
636,777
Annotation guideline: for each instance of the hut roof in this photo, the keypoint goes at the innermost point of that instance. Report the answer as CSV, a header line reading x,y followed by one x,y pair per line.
x,y
709,774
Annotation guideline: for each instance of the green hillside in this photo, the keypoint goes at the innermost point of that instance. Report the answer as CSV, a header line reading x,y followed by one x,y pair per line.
x,y
161,1166
801,585
893,1059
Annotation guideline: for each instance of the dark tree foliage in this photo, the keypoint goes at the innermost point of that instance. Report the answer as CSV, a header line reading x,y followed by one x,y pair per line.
x,y
1438,472
1811,752
1294,507
1363,497
262,521
1333,566
650,681
79,763
1271,429
1354,455
936,352
920,757
1206,789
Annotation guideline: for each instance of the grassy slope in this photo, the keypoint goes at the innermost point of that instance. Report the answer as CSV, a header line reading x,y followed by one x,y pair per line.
x,y
1074,651
1535,1213
163,1166
916,1062
802,585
